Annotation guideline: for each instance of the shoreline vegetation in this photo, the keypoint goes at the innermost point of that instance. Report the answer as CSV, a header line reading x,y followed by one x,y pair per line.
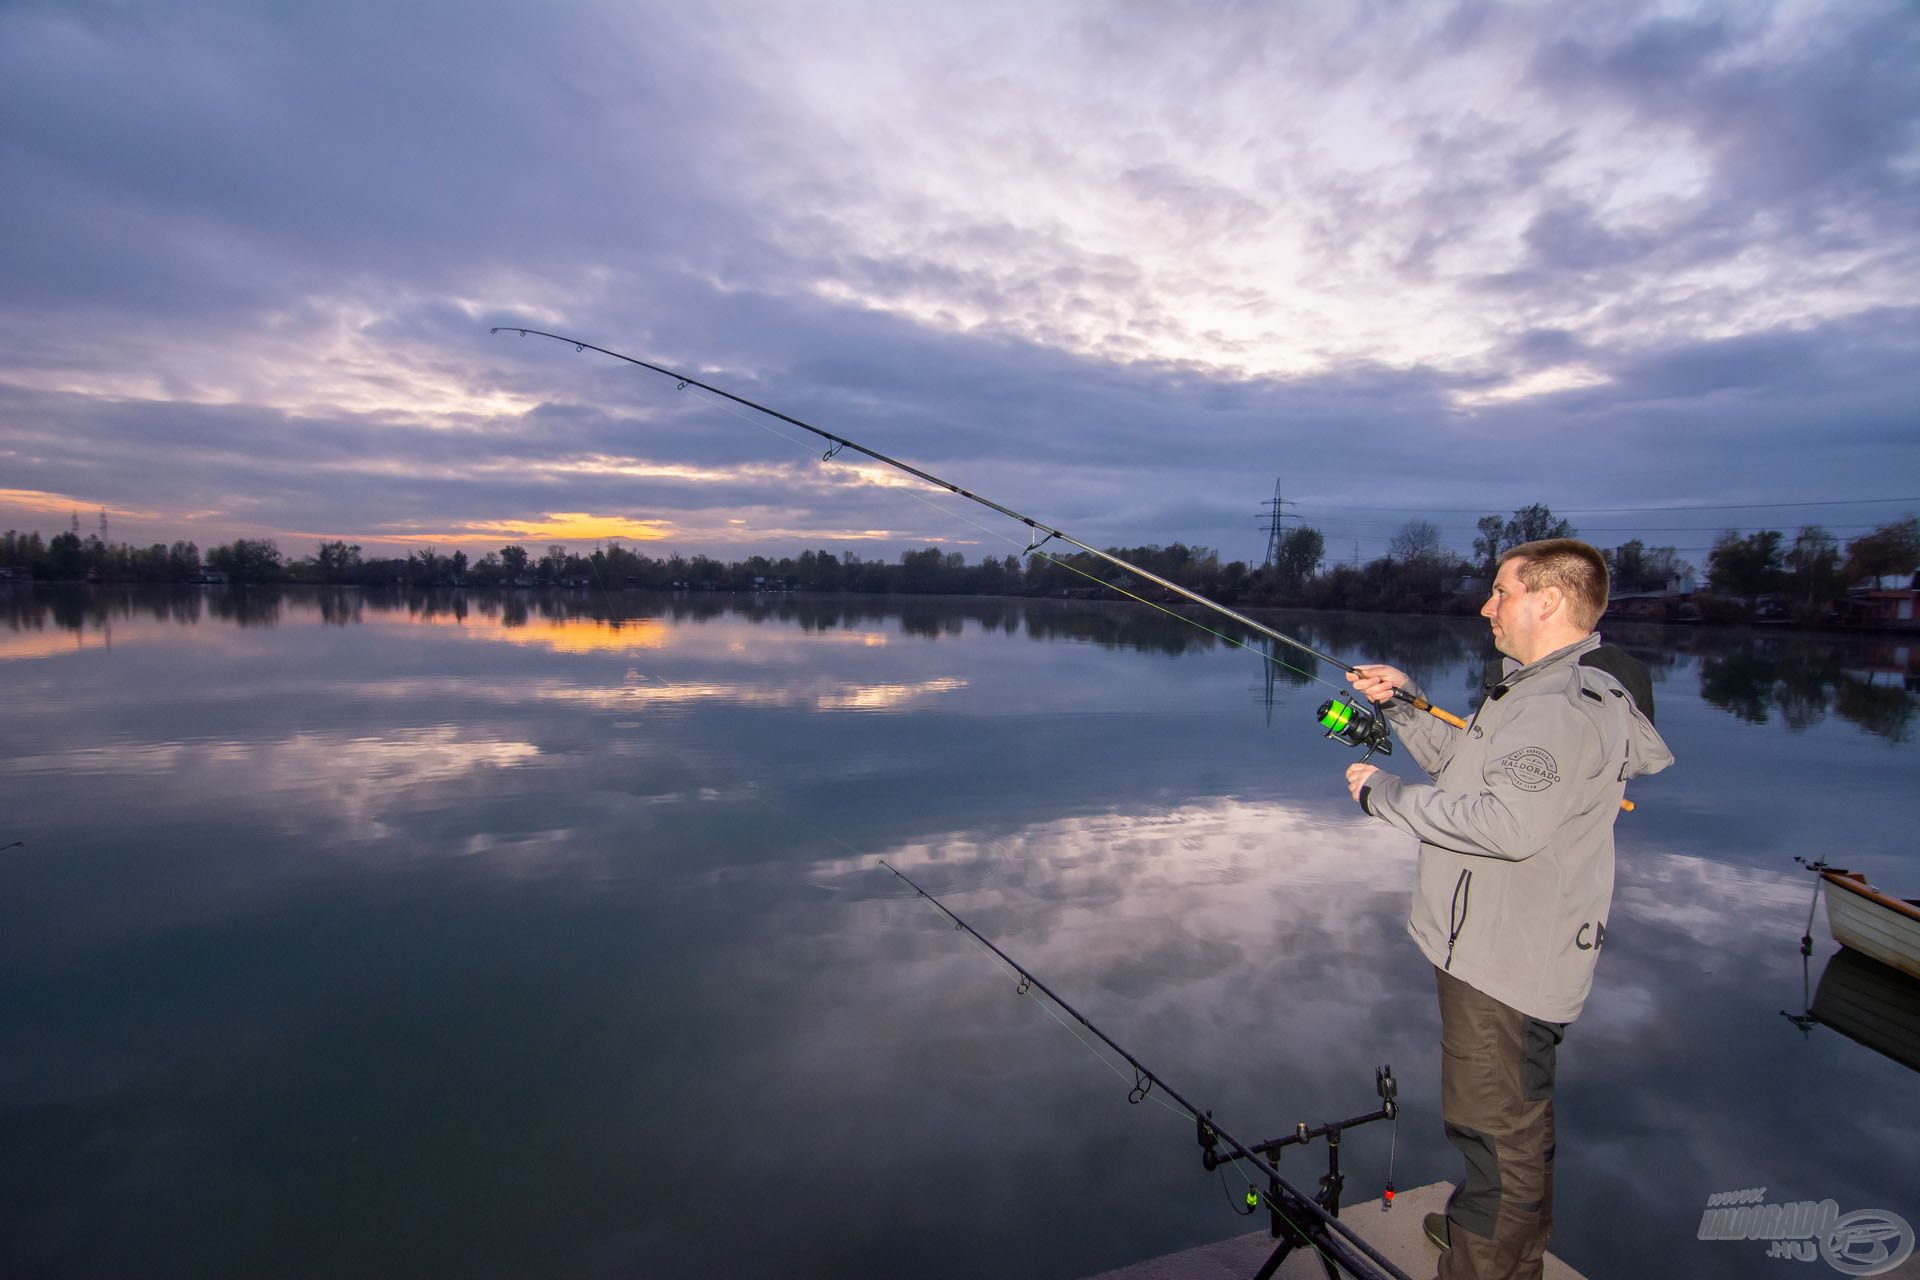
x,y
1760,577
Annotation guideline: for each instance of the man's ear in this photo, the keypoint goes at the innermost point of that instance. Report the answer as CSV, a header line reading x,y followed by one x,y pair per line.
x,y
1552,601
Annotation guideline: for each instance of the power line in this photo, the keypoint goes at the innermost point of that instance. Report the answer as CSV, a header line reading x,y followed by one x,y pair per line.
x,y
1585,531
1737,506
1696,506
1445,525
1699,528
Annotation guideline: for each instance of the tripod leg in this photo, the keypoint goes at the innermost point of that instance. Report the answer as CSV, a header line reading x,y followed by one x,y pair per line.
x,y
1274,1260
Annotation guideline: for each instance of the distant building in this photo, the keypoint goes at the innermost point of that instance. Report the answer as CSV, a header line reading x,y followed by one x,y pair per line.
x,y
1890,600
1470,584
1663,601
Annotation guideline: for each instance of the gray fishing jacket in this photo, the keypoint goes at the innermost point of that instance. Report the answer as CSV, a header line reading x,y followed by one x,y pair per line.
x,y
1516,829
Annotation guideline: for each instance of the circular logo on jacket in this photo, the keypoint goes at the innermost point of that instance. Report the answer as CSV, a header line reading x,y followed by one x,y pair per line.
x,y
1531,769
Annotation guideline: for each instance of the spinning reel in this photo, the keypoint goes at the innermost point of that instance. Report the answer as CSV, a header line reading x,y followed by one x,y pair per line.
x,y
1355,722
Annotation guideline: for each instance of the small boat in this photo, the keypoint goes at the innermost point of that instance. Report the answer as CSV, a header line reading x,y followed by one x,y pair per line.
x,y
1866,920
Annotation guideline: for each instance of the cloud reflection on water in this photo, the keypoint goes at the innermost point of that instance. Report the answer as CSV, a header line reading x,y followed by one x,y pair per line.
x,y
802,692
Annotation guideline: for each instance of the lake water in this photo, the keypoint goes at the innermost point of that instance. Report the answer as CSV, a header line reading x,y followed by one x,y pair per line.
x,y
544,936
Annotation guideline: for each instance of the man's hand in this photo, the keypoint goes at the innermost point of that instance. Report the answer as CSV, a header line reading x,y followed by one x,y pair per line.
x,y
1376,680
1357,775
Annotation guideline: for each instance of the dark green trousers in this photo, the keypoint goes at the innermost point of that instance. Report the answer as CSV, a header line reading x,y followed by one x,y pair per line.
x,y
1496,1097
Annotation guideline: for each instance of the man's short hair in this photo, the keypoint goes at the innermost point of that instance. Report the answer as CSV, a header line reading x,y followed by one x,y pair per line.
x,y
1571,565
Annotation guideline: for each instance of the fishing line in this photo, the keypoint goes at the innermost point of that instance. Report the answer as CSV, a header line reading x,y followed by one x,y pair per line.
x,y
949,513
1365,732
1343,719
1026,989
759,420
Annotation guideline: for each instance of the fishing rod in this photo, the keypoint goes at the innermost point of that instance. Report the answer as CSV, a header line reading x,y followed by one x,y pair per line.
x,y
1347,719
1336,1243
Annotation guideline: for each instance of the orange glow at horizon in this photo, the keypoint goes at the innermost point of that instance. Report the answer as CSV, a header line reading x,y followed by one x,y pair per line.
x,y
559,526
39,500
64,504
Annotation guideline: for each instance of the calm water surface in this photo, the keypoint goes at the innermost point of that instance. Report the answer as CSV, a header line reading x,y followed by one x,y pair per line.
x,y
537,937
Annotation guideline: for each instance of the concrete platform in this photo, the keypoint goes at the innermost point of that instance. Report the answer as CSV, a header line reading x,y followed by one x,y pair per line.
x,y
1395,1233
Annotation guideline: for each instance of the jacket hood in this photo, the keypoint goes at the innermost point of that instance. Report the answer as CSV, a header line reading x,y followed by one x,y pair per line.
x,y
1646,751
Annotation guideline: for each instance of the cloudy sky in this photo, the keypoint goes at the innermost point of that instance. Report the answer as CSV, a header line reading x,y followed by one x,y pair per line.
x,y
1120,266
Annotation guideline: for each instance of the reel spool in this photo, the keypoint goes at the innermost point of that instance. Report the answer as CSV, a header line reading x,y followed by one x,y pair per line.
x,y
1356,723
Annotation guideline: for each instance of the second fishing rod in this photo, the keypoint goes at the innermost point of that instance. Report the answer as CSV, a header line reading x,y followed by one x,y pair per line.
x,y
1297,1218
1345,719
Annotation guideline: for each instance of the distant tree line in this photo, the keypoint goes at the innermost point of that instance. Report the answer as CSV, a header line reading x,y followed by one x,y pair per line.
x,y
1416,574
1810,572
67,557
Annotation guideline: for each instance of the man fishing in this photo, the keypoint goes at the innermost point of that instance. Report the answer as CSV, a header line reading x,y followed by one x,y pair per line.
x,y
1515,878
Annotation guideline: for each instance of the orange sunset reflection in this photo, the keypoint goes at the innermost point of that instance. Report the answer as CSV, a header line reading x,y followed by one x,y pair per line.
x,y
557,635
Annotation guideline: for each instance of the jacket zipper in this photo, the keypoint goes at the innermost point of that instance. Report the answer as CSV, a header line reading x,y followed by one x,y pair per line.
x,y
1457,912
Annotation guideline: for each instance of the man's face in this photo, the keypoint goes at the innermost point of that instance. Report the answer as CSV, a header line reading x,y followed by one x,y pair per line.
x,y
1513,612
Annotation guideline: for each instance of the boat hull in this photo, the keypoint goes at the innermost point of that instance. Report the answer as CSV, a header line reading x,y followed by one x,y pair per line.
x,y
1865,920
